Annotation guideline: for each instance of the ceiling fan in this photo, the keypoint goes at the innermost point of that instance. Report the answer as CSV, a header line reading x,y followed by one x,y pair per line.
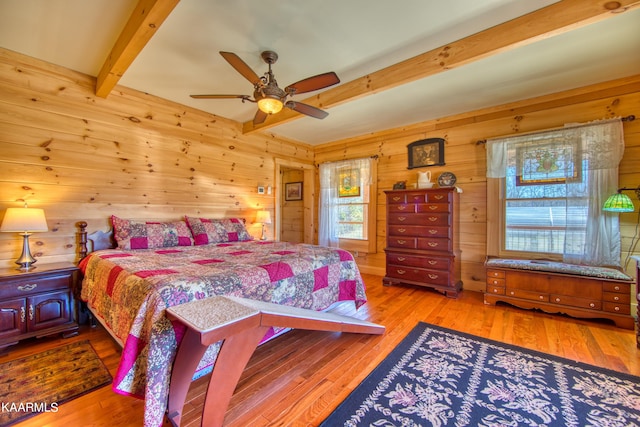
x,y
266,93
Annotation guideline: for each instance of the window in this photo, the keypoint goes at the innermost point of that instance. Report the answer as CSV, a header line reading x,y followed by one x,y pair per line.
x,y
545,193
346,219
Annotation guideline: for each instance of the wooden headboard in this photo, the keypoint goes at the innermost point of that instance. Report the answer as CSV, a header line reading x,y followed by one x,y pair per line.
x,y
98,240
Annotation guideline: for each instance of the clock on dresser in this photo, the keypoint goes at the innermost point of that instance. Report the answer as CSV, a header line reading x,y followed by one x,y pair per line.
x,y
37,302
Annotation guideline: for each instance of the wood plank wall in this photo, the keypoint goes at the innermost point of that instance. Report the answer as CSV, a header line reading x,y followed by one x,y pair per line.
x,y
466,158
81,157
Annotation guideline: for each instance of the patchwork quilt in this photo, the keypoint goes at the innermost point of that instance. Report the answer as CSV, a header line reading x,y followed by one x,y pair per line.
x,y
130,290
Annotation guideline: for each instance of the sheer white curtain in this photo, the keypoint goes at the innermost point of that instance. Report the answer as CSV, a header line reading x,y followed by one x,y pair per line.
x,y
329,182
598,148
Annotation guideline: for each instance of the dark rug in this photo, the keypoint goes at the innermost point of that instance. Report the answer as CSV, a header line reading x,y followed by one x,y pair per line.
x,y
439,377
41,382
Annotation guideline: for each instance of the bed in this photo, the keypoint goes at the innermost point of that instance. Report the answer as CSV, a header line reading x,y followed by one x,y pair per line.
x,y
159,265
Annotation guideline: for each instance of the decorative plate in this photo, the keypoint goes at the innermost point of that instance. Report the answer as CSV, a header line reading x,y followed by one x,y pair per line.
x,y
447,179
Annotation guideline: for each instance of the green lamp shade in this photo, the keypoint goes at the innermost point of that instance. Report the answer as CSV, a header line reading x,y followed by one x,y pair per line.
x,y
618,203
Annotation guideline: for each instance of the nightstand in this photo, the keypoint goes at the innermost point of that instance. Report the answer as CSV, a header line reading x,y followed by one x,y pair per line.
x,y
37,303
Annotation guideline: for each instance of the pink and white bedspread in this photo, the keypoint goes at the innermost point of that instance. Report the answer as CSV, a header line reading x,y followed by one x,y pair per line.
x,y
130,290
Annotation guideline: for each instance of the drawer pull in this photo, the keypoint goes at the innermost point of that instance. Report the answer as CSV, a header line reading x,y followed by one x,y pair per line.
x,y
402,230
433,244
557,299
495,290
402,207
433,218
401,258
439,196
512,293
27,287
541,297
402,218
432,207
617,288
23,314
402,242
592,305
396,198
433,276
432,232
495,282
494,273
616,308
400,271
616,298
432,262
30,311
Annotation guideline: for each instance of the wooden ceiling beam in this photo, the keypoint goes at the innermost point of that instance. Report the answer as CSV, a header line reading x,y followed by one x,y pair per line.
x,y
142,25
558,18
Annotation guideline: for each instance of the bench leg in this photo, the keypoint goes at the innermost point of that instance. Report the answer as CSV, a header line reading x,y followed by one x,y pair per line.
x,y
234,355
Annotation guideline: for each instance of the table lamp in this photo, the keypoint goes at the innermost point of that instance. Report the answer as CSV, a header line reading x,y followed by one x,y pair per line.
x,y
263,217
24,221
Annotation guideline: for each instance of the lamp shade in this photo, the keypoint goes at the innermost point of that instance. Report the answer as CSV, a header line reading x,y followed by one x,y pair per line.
x,y
270,105
618,203
23,220
263,217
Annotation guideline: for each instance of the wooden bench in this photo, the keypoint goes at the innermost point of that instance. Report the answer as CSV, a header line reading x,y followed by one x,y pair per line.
x,y
554,287
241,323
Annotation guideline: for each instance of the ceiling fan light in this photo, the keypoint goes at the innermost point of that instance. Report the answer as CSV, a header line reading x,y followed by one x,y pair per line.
x,y
270,105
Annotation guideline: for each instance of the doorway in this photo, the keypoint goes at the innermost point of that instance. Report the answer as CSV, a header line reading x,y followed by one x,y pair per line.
x,y
295,216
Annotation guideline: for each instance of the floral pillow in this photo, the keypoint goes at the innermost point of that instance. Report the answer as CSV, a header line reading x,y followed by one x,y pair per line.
x,y
148,235
206,231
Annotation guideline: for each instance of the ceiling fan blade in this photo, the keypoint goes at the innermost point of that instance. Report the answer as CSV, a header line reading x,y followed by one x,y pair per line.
x,y
241,67
313,83
260,117
243,97
306,109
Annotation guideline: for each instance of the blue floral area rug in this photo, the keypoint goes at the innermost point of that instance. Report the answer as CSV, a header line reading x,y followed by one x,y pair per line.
x,y
439,377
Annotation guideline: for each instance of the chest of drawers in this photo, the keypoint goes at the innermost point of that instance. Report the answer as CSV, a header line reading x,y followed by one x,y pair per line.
x,y
422,239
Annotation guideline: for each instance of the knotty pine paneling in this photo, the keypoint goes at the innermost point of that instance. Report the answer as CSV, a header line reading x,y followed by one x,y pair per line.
x,y
465,156
81,157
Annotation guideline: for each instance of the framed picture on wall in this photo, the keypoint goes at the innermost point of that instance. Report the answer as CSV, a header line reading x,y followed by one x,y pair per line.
x,y
293,191
426,152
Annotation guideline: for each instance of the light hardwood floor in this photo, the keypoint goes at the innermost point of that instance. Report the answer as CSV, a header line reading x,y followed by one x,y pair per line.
x,y
299,378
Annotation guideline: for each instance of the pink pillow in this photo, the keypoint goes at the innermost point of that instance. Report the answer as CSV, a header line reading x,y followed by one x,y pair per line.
x,y
148,235
206,231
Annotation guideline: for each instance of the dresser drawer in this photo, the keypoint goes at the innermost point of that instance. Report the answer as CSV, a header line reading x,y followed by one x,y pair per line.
x,y
616,298
403,207
438,197
22,287
495,282
418,275
576,302
496,290
433,263
613,307
433,207
418,231
495,273
435,219
401,242
530,295
624,288
434,244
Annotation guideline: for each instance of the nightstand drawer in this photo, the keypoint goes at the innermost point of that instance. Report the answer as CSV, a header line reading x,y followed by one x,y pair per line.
x,y
22,287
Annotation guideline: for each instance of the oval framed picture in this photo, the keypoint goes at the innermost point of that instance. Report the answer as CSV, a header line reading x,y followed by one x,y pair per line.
x,y
447,179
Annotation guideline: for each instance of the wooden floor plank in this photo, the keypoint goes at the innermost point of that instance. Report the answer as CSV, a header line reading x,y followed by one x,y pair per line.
x,y
299,378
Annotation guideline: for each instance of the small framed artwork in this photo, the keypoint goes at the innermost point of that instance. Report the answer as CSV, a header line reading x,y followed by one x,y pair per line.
x,y
293,191
426,152
260,189
349,184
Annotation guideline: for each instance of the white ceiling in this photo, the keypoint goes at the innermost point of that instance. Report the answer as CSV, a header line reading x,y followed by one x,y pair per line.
x,y
351,37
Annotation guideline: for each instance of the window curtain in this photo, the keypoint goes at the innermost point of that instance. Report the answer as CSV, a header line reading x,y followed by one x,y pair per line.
x,y
596,149
329,182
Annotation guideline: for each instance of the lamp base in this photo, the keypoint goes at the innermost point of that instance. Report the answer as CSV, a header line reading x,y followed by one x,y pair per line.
x,y
264,234
25,261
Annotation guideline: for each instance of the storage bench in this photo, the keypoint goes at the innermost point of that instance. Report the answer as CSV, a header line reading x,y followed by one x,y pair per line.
x,y
556,287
